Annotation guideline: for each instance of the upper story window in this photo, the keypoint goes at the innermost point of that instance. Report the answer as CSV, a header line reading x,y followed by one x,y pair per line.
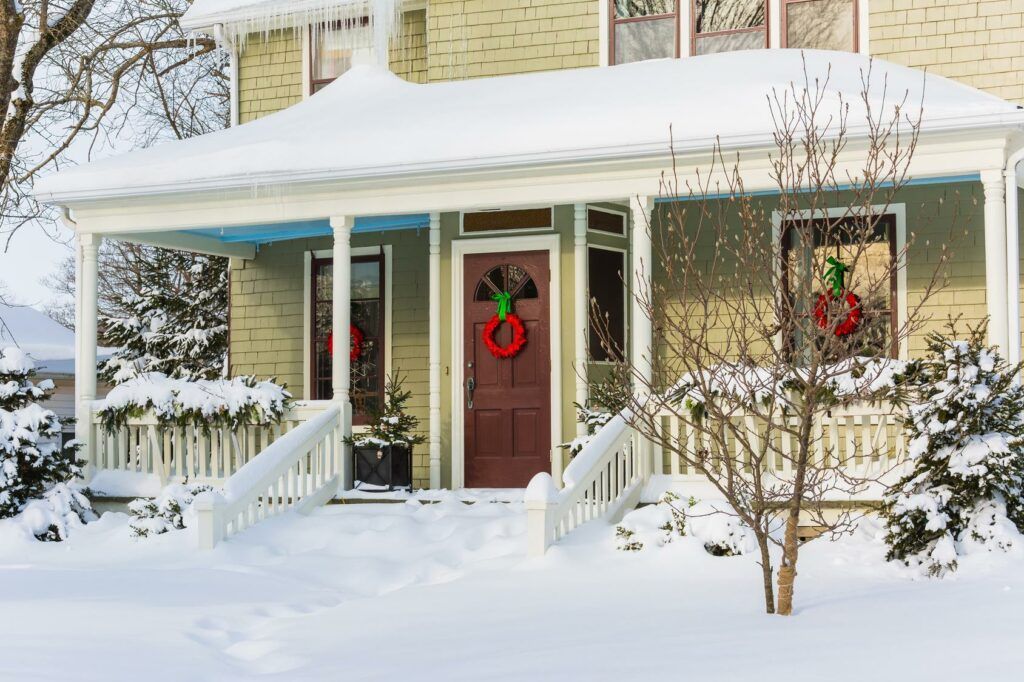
x,y
644,29
332,52
726,25
820,24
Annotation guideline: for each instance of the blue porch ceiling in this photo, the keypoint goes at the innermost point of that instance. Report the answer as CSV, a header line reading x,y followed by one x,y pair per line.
x,y
277,232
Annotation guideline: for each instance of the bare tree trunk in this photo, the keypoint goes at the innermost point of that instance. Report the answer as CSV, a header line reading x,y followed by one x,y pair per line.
x,y
766,572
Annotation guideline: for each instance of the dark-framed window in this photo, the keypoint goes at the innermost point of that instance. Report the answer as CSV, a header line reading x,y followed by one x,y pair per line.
x,y
643,29
606,221
606,285
874,278
820,24
329,55
367,372
728,25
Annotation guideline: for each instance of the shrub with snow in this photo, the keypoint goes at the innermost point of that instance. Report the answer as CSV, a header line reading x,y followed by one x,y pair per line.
x,y
963,490
391,424
593,419
711,523
170,510
34,467
207,403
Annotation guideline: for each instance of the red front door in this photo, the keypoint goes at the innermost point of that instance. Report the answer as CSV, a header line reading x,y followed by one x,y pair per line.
x,y
507,402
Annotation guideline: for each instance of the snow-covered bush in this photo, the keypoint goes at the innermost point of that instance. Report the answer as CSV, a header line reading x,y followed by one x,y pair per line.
x,y
654,525
207,403
34,467
593,419
391,424
170,510
712,524
963,491
720,531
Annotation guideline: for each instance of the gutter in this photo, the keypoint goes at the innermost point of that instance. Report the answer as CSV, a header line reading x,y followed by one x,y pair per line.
x,y
627,152
221,37
1013,351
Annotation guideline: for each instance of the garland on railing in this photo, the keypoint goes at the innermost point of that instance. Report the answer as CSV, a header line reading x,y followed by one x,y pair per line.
x,y
207,404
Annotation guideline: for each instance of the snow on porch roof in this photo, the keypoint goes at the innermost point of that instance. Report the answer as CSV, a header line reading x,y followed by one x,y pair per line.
x,y
371,124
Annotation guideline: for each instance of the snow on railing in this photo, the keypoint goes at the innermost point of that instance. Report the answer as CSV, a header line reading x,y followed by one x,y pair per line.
x,y
302,470
603,481
181,453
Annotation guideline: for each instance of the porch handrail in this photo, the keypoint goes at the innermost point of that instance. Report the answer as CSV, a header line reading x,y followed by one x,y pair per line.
x,y
302,470
604,480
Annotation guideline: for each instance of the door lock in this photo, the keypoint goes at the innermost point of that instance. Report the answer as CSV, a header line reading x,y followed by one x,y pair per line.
x,y
470,387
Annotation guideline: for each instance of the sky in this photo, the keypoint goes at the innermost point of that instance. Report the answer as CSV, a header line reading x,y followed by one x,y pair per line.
x,y
31,255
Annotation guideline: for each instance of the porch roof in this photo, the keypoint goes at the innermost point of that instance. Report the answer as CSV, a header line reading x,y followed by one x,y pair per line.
x,y
369,124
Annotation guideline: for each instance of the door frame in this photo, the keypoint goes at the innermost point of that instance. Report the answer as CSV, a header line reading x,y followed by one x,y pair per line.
x,y
510,244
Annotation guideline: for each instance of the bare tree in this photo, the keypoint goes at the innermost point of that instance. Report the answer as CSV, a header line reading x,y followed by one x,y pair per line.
x,y
79,75
763,326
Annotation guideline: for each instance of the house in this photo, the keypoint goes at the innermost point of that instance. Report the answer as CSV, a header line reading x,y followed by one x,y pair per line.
x,y
396,165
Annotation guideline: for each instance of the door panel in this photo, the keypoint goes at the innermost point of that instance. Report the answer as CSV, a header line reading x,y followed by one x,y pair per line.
x,y
508,427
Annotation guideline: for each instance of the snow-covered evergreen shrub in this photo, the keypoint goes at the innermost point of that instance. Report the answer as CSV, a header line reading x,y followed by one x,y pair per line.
x,y
653,525
34,467
964,487
713,524
593,419
166,512
177,326
206,403
391,424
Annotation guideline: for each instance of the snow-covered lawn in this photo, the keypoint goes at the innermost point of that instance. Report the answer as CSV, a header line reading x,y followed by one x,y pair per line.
x,y
443,592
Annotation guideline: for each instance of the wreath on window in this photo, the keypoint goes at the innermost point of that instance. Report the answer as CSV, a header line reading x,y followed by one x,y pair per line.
x,y
355,343
504,314
835,277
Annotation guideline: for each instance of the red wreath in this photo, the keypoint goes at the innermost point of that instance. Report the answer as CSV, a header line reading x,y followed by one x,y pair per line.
x,y
853,316
518,337
356,349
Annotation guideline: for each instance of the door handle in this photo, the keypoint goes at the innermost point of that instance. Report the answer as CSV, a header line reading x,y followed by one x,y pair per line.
x,y
470,387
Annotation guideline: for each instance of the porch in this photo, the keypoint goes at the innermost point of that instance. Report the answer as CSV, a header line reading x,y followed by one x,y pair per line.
x,y
278,219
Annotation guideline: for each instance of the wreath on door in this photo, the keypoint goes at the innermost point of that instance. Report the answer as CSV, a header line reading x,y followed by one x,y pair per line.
x,y
835,277
355,349
504,314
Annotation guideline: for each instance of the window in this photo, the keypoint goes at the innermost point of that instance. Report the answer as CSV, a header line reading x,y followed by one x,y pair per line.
x,y
644,29
606,285
367,316
873,277
820,24
511,278
331,52
608,222
520,219
726,25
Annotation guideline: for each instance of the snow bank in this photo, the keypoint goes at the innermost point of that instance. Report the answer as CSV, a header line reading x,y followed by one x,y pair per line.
x,y
713,524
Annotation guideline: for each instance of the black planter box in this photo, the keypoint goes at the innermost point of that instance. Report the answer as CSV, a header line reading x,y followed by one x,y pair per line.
x,y
387,467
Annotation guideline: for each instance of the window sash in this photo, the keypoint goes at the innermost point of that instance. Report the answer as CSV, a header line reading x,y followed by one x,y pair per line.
x,y
615,21
695,35
784,23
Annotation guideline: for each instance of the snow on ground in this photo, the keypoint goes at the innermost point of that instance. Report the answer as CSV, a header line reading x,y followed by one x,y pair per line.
x,y
443,592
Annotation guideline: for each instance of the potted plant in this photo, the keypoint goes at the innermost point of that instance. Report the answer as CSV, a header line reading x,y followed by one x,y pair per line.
x,y
382,455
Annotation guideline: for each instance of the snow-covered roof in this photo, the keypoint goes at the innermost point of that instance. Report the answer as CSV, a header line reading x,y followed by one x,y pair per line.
x,y
36,334
371,124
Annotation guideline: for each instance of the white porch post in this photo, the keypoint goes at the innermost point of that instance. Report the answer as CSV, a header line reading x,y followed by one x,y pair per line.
x,y
581,306
995,258
87,290
434,359
340,321
642,337
1013,354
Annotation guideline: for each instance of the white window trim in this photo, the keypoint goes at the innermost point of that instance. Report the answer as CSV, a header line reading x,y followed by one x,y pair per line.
x,y
307,305
897,210
625,297
461,248
513,231
625,222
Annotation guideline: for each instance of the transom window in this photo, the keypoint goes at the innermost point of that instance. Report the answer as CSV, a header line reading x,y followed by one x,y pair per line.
x,y
820,24
873,277
511,278
367,279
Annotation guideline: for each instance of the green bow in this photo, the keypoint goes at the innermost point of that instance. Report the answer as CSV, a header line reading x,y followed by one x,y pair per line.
x,y
835,276
504,300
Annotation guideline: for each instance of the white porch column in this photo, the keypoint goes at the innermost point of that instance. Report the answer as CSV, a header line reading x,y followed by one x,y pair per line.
x,y
434,360
642,337
995,258
581,306
87,309
340,320
1013,354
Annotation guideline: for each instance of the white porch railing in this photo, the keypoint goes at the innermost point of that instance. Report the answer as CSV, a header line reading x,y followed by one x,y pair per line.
x,y
302,469
187,452
603,481
606,478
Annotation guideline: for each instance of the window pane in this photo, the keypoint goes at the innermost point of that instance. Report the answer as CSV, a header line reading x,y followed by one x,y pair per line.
x,y
639,40
603,221
516,219
607,296
728,15
643,8
820,25
729,42
330,59
365,279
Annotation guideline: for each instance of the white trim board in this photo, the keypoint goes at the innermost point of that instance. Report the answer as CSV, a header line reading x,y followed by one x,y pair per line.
x,y
307,305
899,210
460,248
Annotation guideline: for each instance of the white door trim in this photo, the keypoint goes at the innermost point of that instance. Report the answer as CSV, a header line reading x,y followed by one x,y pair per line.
x,y
460,248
